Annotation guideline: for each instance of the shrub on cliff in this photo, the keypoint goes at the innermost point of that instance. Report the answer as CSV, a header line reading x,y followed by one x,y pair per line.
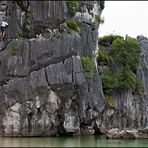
x,y
110,82
103,58
126,80
110,101
107,40
126,52
125,55
97,21
89,65
71,23
74,7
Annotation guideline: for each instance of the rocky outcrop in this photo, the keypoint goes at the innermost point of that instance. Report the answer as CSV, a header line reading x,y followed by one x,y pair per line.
x,y
44,85
3,10
131,110
127,134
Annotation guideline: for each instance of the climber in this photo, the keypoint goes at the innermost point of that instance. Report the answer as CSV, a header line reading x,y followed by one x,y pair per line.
x,y
3,27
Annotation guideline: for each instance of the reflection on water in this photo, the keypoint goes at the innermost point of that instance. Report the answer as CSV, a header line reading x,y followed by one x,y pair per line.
x,y
85,141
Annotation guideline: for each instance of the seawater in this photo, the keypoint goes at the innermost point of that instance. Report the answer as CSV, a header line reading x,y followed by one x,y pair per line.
x,y
82,141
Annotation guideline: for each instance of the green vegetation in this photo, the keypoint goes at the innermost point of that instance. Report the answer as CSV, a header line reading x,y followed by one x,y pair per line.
x,y
110,101
71,23
126,52
14,50
139,88
123,55
98,20
74,7
110,82
103,58
119,81
126,80
89,65
107,40
29,14
18,37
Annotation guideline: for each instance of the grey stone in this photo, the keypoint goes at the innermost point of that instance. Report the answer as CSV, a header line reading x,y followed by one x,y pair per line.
x,y
131,109
44,87
71,122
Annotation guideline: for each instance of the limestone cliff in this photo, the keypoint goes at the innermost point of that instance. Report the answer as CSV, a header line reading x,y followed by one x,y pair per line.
x,y
45,86
49,79
131,109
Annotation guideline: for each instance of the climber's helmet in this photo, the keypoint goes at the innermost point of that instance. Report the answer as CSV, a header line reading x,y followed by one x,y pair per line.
x,y
4,24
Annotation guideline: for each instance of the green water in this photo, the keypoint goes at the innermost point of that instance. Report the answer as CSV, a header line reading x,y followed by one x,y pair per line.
x,y
92,141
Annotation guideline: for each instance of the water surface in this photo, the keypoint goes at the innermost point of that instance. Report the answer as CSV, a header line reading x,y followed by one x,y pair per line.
x,y
84,141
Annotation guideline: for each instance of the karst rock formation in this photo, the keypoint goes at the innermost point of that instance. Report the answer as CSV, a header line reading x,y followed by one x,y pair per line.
x,y
47,87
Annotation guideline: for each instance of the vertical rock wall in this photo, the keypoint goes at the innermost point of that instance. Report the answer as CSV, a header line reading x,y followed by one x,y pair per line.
x,y
44,85
131,110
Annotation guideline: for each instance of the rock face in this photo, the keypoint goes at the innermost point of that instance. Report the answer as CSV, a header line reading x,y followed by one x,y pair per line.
x,y
115,133
131,110
44,85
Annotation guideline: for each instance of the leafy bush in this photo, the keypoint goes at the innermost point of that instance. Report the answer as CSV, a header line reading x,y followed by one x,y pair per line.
x,y
73,25
88,64
138,87
118,43
109,82
98,20
126,80
134,57
103,58
125,53
74,7
110,101
107,40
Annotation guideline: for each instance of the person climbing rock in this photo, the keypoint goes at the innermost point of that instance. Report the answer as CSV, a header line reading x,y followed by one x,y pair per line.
x,y
3,28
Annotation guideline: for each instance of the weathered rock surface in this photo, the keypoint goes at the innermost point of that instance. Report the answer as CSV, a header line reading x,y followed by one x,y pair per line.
x,y
44,86
131,110
115,133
